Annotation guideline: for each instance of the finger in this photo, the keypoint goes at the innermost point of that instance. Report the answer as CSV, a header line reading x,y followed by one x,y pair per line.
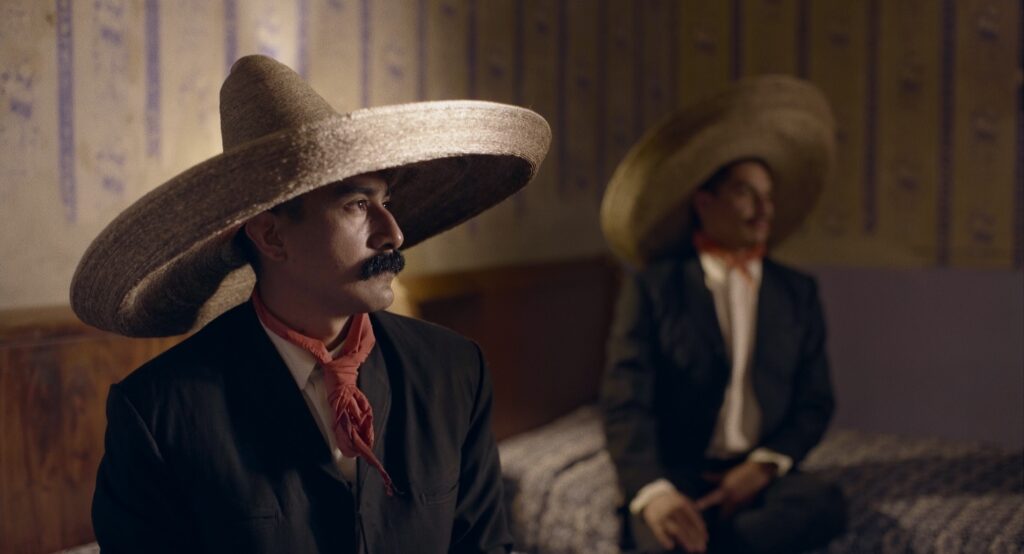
x,y
662,537
674,534
692,526
710,499
684,536
695,521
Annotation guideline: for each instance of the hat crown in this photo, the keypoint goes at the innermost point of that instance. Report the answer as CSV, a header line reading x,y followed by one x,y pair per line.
x,y
262,96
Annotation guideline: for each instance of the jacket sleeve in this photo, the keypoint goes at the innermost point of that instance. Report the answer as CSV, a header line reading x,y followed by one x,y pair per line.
x,y
812,403
134,508
628,390
480,523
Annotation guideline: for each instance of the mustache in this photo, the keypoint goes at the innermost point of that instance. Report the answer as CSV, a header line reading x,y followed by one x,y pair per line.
x,y
393,262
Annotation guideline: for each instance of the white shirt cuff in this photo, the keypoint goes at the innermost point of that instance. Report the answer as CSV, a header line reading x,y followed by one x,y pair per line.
x,y
648,493
782,462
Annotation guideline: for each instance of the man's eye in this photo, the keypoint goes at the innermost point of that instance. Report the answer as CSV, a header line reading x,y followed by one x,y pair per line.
x,y
358,205
387,205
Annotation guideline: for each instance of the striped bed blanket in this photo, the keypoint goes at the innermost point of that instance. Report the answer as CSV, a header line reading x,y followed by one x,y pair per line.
x,y
906,495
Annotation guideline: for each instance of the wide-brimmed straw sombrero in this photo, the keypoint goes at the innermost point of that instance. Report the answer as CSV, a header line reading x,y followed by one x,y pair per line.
x,y
783,121
168,263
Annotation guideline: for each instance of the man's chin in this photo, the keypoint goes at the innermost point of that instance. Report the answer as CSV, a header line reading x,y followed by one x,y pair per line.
x,y
382,299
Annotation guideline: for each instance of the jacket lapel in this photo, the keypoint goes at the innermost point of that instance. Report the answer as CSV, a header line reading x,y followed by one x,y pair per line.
x,y
772,326
272,397
698,298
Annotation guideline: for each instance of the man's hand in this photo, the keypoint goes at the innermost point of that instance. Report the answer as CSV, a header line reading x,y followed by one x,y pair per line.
x,y
737,487
676,521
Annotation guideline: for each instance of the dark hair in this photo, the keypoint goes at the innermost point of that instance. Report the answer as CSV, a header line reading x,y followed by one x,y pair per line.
x,y
714,182
292,209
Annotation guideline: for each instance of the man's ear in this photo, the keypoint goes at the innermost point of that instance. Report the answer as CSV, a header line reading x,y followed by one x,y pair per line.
x,y
263,231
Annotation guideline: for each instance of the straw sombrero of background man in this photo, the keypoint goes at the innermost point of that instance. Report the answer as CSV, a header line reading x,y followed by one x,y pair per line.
x,y
784,121
169,264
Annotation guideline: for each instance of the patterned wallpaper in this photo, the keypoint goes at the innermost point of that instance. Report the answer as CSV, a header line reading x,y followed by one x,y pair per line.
x,y
101,101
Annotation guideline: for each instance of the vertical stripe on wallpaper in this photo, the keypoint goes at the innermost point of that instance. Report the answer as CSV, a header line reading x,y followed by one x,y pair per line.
x,y
302,40
561,71
66,111
946,134
472,43
519,82
230,33
737,39
638,69
1019,210
803,41
519,47
672,21
601,80
421,47
871,119
153,131
364,25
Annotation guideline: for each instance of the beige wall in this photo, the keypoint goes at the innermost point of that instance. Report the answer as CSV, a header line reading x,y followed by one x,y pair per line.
x,y
102,101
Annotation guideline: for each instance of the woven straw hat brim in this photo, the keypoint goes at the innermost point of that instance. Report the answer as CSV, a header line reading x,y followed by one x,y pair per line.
x,y
782,120
168,264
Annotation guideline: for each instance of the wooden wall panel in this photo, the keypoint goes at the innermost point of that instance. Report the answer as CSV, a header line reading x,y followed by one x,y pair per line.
x,y
908,129
986,85
54,376
768,40
705,48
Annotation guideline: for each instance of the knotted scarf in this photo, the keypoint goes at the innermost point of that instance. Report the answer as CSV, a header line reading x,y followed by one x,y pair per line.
x,y
734,259
353,415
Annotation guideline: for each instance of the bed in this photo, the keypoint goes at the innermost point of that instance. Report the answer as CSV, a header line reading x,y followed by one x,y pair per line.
x,y
904,494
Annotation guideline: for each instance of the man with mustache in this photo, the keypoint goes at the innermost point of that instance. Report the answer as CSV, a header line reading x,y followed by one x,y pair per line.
x,y
717,383
301,417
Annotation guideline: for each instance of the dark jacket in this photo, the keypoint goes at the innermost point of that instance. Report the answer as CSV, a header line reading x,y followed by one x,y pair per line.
x,y
211,447
668,370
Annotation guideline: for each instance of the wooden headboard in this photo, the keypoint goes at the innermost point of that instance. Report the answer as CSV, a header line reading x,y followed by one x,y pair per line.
x,y
542,328
54,376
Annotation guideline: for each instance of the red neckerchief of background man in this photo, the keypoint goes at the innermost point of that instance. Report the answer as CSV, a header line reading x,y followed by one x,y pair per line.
x,y
738,259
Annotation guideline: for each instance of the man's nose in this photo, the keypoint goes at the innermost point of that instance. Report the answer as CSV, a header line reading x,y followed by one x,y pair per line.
x,y
765,206
386,235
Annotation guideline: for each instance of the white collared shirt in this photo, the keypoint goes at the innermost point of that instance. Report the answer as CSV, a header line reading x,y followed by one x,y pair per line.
x,y
309,377
735,296
738,426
